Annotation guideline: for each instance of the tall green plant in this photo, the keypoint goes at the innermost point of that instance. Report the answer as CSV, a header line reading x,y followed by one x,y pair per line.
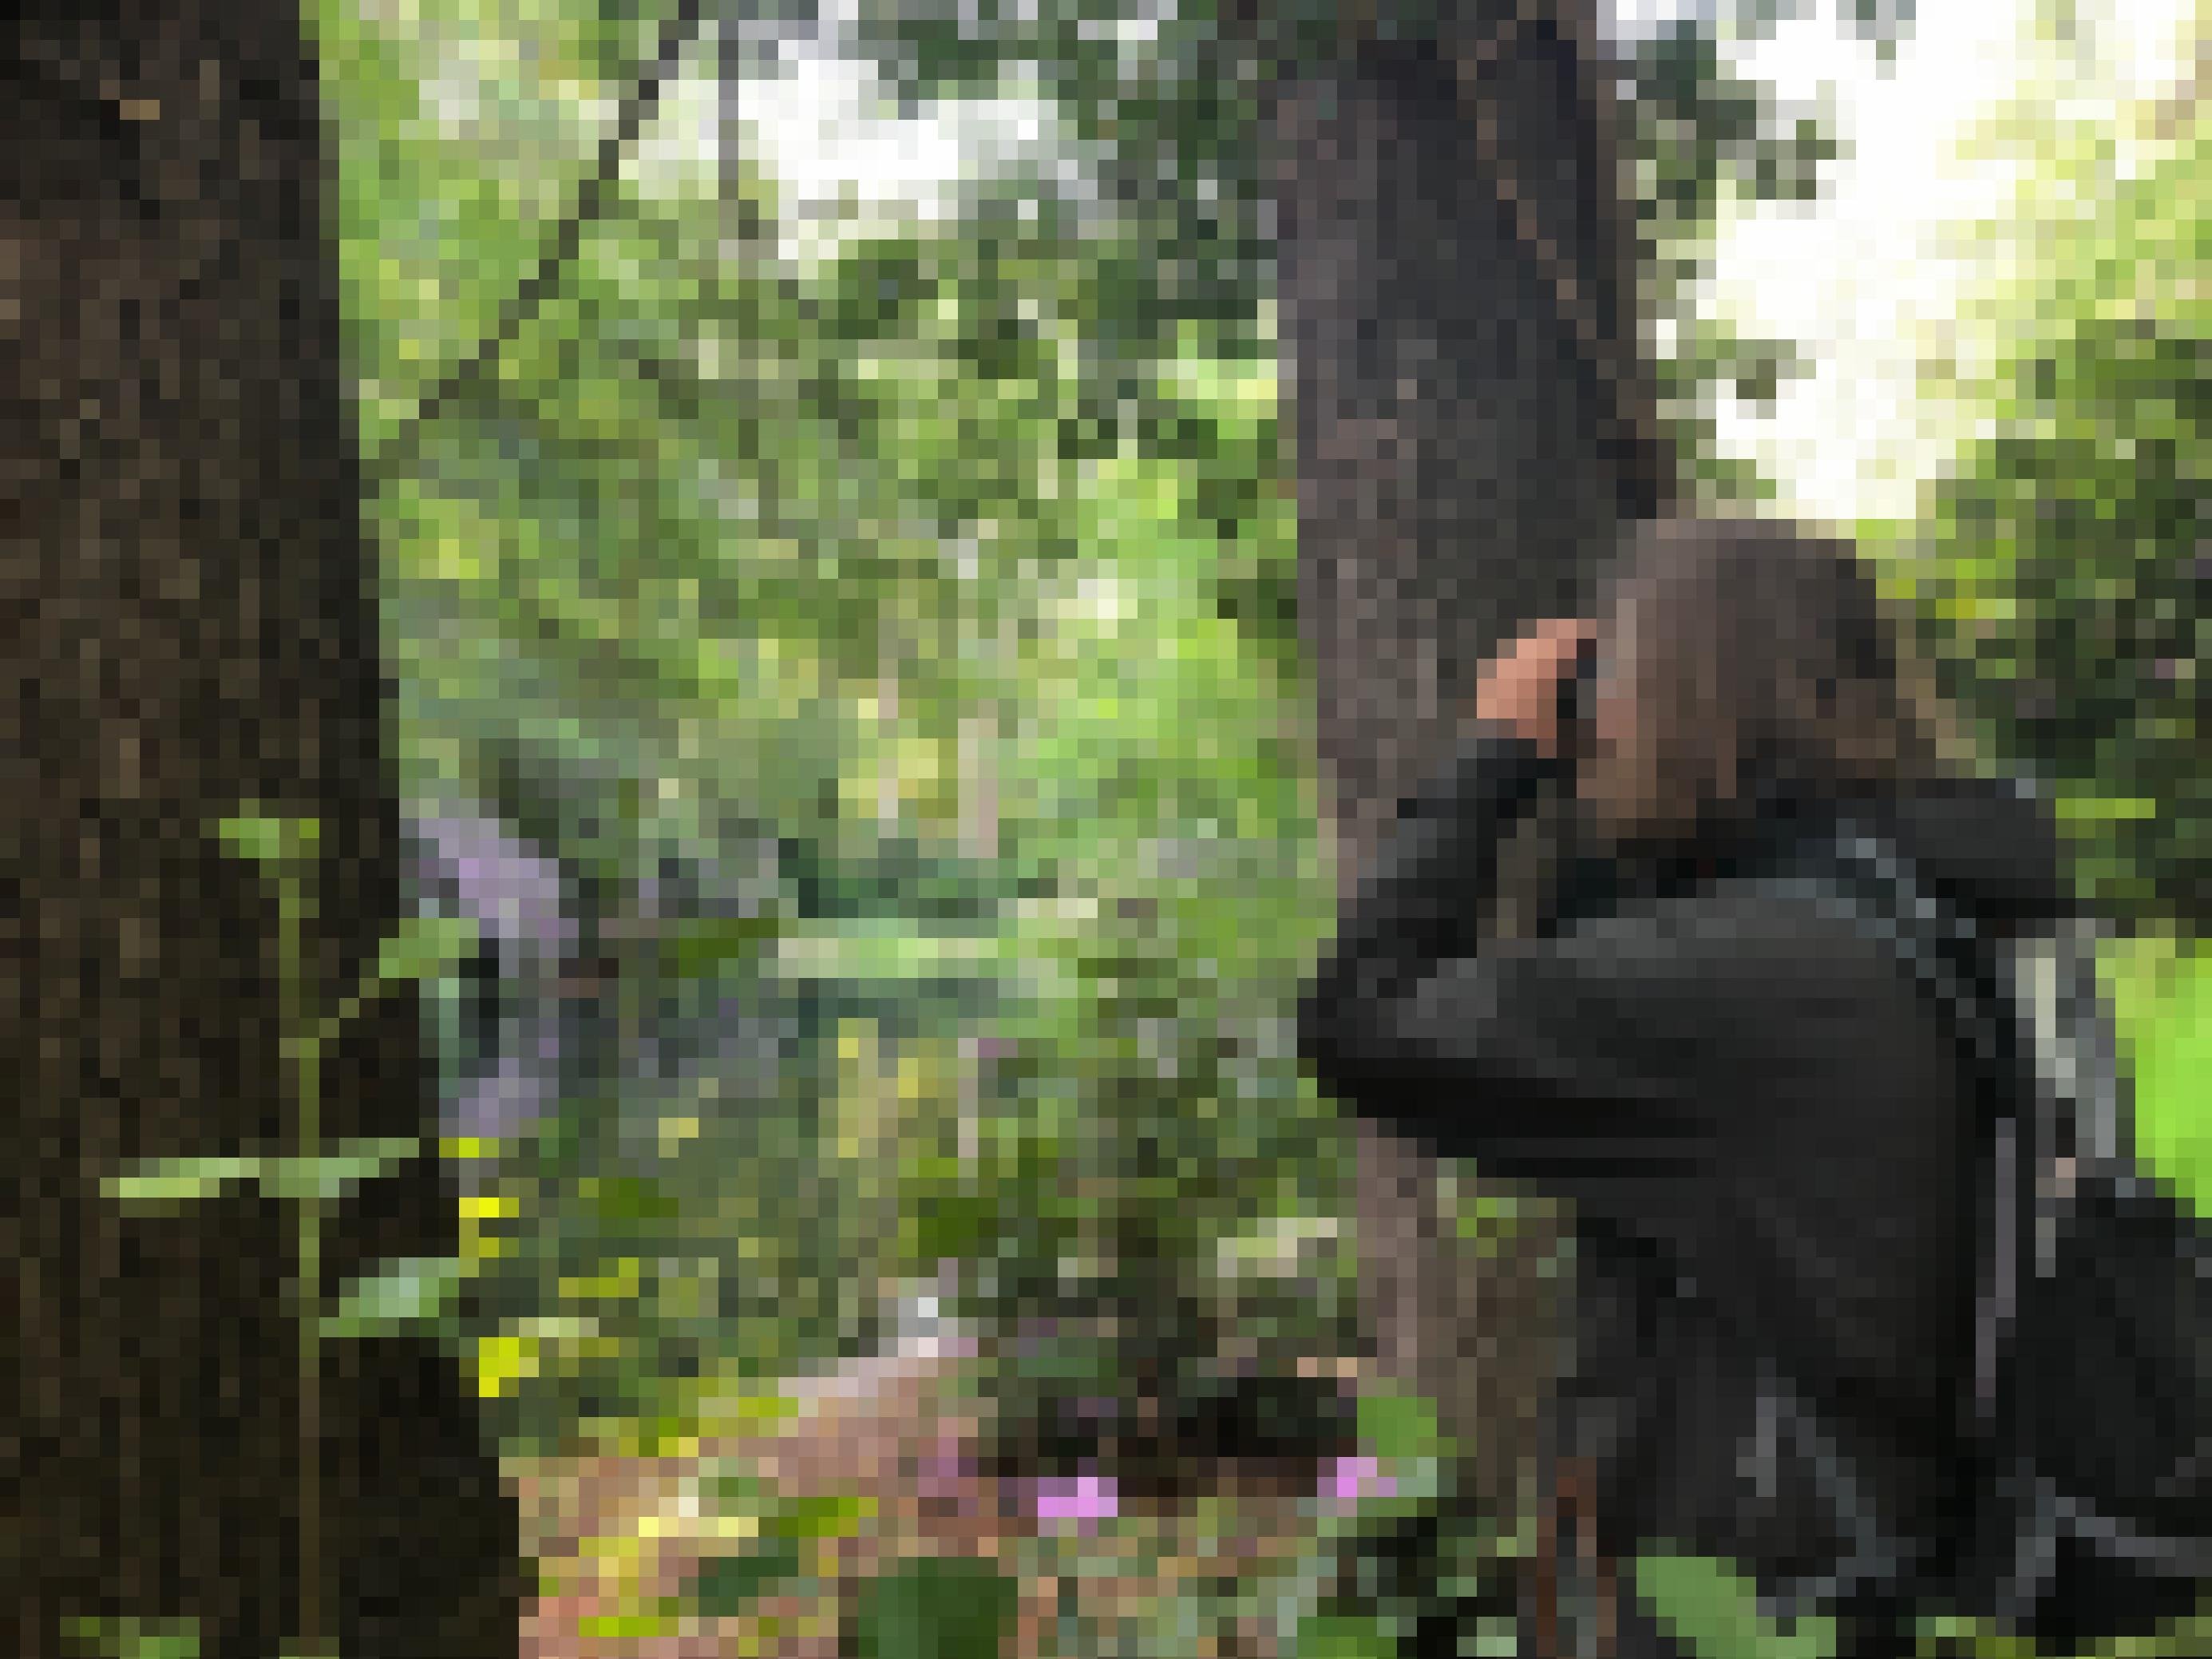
x,y
314,1177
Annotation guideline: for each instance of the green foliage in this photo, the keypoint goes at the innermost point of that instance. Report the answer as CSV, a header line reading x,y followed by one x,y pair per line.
x,y
163,1185
1715,1611
1401,1549
265,839
1342,1636
711,512
135,1639
936,1607
310,1180
2162,994
729,1584
423,948
2061,574
405,1295
1703,133
1701,137
1399,1425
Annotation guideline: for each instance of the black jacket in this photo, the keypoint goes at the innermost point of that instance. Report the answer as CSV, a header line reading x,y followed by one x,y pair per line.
x,y
1765,1128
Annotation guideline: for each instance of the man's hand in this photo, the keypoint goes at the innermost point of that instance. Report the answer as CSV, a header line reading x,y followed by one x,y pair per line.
x,y
1520,690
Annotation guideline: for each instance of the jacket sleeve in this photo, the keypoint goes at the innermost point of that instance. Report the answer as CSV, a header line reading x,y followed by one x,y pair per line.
x,y
1547,1057
1431,873
1751,1085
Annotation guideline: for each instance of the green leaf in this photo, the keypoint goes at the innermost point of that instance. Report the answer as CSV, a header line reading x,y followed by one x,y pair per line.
x,y
2163,1001
1399,1425
335,1173
937,1607
139,1638
401,1296
1714,1609
859,953
1326,1636
627,1626
162,1184
701,948
2177,1640
727,1585
1968,1638
267,840
819,1517
424,947
2091,809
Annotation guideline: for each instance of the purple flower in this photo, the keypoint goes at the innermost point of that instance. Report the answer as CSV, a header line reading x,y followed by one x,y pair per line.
x,y
1085,1499
470,865
1351,1479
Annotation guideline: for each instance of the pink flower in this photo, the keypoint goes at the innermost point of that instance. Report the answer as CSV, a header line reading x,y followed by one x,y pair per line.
x,y
1087,1498
1351,1479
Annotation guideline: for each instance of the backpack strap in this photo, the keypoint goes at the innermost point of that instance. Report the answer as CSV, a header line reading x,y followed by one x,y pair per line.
x,y
1860,878
1954,962
1869,880
2054,1113
2051,1103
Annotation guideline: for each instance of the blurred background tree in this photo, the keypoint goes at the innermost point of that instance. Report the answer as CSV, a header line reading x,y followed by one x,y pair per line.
x,y
2067,552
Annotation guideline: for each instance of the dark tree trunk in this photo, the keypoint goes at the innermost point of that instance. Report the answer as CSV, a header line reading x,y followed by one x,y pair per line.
x,y
1474,422
190,623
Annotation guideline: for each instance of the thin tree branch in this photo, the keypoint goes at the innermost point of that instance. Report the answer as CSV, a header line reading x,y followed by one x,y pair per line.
x,y
676,35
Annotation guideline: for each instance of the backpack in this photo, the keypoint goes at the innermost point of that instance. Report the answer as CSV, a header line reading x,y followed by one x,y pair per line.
x,y
2090,1407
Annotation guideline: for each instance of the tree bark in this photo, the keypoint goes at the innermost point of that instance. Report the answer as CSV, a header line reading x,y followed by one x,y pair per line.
x,y
189,610
1474,422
